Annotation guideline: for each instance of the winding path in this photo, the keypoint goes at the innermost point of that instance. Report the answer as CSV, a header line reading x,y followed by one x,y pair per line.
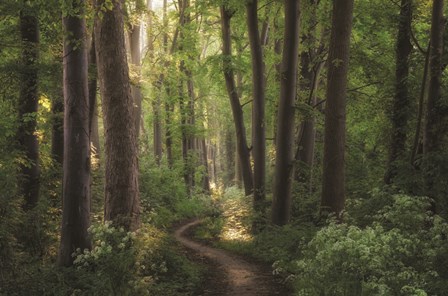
x,y
235,276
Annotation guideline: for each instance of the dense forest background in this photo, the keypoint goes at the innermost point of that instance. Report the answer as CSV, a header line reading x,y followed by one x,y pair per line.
x,y
310,135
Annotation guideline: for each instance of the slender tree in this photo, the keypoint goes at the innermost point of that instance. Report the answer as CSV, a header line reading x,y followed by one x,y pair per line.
x,y
333,180
28,106
57,129
237,111
93,104
435,125
400,109
258,105
76,182
134,44
284,160
122,202
435,108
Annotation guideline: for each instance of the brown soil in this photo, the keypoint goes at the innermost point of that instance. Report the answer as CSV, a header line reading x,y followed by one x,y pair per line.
x,y
228,274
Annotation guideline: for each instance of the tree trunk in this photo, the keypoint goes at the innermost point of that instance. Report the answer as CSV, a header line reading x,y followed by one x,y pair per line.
x,y
122,203
93,104
309,84
435,108
76,182
237,111
400,109
333,179
435,126
205,176
284,160
57,129
29,183
134,41
258,93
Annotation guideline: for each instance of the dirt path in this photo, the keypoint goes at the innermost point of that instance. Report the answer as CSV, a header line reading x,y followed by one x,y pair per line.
x,y
229,275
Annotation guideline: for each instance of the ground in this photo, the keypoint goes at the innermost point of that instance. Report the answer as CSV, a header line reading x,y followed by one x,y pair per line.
x,y
228,274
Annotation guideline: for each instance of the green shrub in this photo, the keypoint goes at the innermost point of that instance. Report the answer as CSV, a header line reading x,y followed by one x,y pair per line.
x,y
396,255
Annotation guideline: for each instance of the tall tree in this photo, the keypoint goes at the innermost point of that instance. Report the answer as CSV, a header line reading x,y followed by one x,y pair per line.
x,y
122,202
310,77
333,180
435,125
258,105
76,182
93,104
400,109
435,108
28,106
284,159
237,111
134,44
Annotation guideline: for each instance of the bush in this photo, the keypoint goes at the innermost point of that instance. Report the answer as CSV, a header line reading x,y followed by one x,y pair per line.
x,y
396,255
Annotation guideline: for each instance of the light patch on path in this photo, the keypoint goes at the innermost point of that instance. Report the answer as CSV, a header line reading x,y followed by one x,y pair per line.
x,y
243,278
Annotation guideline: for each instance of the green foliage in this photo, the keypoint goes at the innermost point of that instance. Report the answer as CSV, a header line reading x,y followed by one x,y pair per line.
x,y
396,255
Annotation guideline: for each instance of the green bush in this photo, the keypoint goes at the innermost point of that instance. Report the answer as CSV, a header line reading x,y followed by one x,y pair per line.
x,y
397,254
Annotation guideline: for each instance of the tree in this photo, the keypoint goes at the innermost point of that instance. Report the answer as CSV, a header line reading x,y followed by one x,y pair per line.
x,y
122,203
76,182
284,159
134,44
333,179
93,104
435,108
401,102
258,93
28,106
435,125
237,111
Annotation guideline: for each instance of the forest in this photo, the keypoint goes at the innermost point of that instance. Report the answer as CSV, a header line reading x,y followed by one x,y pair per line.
x,y
224,147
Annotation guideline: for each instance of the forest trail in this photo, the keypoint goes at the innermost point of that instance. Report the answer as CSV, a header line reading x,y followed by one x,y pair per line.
x,y
228,274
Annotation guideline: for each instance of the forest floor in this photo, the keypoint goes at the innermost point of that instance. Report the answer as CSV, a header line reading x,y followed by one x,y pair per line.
x,y
228,274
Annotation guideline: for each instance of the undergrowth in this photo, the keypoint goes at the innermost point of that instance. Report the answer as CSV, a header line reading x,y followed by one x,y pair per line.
x,y
399,248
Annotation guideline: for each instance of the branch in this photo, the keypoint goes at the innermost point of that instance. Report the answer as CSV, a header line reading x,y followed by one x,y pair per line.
x,y
242,106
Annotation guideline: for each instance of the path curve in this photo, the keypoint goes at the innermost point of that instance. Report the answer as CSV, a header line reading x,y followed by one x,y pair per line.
x,y
242,278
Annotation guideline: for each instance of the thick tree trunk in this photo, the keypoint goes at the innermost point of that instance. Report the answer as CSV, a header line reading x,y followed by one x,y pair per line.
x,y
333,180
284,160
76,182
258,112
122,202
400,109
237,111
28,104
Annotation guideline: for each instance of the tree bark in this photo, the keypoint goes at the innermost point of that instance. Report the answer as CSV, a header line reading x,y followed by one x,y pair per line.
x,y
57,129
400,109
435,125
29,182
76,181
258,112
206,175
333,180
134,42
284,160
435,108
93,104
122,202
237,110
